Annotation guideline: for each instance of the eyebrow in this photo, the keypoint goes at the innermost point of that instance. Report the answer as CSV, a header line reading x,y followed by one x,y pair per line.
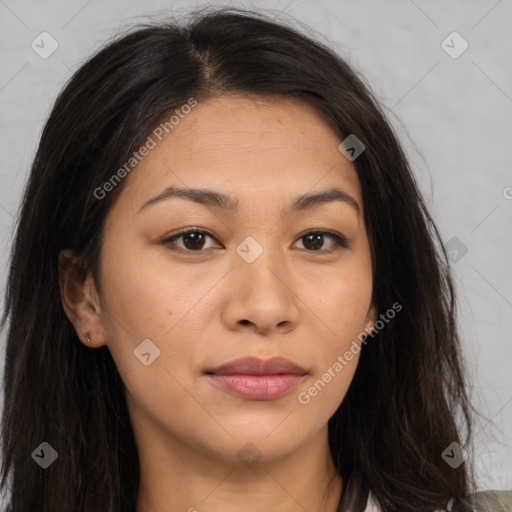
x,y
217,200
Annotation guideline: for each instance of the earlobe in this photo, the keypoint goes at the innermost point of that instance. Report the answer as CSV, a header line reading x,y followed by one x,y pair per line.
x,y
371,318
80,301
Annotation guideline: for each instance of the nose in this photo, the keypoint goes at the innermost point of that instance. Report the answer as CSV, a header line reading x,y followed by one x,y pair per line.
x,y
260,296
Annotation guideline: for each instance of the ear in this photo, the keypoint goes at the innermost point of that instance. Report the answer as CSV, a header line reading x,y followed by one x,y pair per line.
x,y
371,318
80,301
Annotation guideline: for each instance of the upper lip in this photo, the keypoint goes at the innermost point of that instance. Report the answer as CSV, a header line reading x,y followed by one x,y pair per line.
x,y
256,366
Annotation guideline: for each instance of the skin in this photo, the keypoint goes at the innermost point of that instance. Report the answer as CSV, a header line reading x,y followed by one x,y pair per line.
x,y
203,309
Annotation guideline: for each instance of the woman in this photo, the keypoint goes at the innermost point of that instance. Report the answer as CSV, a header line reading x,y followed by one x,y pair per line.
x,y
226,290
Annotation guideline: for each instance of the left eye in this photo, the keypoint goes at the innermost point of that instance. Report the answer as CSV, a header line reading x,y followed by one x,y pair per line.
x,y
315,238
194,239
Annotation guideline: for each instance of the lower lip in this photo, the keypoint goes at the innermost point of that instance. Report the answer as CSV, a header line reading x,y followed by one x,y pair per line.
x,y
257,387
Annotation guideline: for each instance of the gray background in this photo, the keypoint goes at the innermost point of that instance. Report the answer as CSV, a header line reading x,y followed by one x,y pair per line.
x,y
452,114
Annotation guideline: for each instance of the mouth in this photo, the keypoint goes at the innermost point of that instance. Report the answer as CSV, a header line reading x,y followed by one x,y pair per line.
x,y
255,379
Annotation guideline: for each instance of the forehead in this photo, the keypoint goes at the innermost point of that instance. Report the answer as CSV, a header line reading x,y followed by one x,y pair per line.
x,y
240,127
250,147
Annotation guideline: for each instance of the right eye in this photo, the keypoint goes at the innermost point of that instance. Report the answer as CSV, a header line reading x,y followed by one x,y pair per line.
x,y
193,240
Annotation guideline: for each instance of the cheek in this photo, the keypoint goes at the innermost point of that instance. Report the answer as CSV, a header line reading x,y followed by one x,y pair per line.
x,y
344,314
345,300
149,337
327,388
137,303
145,295
343,310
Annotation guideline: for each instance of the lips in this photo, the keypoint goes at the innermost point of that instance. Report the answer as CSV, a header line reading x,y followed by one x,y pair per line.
x,y
256,379
256,366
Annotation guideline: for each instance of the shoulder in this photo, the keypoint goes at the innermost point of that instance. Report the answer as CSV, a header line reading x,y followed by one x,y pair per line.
x,y
482,501
492,501
372,506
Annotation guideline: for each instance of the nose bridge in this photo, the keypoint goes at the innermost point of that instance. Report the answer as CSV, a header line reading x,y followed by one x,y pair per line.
x,y
263,294
261,264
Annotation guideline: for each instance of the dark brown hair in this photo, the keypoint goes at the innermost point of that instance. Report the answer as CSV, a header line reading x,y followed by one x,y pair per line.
x,y
407,402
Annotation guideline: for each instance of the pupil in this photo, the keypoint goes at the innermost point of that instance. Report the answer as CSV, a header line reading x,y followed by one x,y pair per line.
x,y
317,245
196,240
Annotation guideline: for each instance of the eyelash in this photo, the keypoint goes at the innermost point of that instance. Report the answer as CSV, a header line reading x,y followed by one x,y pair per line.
x,y
339,241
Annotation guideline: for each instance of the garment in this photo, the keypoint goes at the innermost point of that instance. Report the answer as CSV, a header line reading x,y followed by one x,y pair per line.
x,y
372,506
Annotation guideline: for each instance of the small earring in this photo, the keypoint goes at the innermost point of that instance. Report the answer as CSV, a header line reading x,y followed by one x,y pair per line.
x,y
87,337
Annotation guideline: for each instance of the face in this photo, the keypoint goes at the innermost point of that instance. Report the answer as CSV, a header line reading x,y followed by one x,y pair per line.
x,y
262,274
